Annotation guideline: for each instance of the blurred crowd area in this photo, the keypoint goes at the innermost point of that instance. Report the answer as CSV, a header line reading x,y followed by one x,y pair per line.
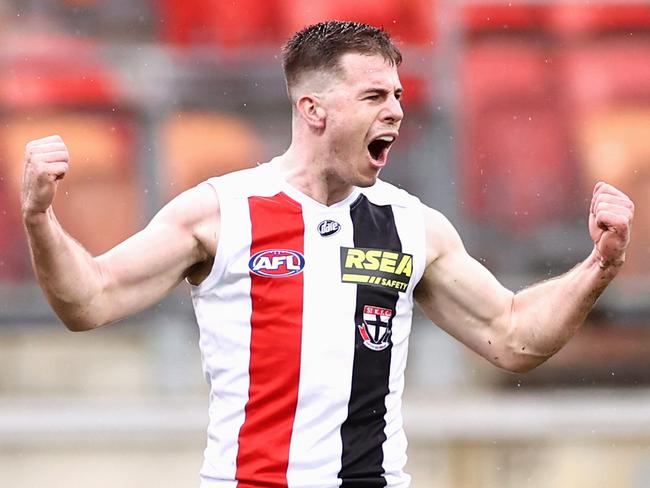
x,y
513,111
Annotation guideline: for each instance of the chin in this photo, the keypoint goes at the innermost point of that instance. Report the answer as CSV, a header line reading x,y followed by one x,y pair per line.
x,y
364,181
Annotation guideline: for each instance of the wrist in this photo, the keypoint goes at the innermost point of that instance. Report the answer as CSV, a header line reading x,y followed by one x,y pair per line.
x,y
33,218
610,265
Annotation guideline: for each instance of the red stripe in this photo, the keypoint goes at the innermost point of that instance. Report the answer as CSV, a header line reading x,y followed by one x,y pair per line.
x,y
276,332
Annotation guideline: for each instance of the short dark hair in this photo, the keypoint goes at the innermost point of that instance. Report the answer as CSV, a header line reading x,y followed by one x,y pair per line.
x,y
320,46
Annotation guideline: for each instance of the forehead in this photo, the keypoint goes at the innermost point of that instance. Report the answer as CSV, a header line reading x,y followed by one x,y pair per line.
x,y
360,70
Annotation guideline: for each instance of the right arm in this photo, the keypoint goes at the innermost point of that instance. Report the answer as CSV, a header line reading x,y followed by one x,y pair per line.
x,y
87,292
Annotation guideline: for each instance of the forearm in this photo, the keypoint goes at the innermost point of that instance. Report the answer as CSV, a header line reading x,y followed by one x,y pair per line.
x,y
544,317
65,270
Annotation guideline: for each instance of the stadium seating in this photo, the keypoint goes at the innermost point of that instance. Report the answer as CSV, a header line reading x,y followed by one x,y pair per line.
x,y
225,24
38,71
502,17
200,144
515,152
608,87
410,21
250,22
613,147
45,91
99,202
572,18
605,72
14,264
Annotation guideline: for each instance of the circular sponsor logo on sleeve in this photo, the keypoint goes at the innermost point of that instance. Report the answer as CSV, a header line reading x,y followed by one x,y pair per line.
x,y
276,263
328,227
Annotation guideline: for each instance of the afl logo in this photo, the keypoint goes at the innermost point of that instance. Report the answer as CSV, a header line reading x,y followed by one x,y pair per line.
x,y
328,227
276,263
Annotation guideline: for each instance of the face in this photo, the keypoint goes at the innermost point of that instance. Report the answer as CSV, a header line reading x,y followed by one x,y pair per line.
x,y
363,116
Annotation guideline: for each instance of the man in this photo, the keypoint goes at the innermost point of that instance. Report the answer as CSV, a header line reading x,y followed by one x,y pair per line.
x,y
303,272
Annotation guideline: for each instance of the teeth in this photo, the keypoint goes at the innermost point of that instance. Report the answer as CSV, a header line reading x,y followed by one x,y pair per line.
x,y
386,138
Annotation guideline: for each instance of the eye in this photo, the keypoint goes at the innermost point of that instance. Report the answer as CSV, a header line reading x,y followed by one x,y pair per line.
x,y
372,97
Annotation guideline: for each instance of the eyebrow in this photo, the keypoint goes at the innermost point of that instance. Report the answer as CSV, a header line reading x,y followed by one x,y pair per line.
x,y
382,91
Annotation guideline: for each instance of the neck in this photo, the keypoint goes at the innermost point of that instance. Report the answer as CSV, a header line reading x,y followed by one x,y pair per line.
x,y
310,172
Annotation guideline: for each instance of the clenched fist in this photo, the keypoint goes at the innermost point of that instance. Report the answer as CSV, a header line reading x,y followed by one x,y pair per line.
x,y
46,162
610,221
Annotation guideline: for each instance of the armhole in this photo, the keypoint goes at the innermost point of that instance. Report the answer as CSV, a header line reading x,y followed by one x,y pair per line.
x,y
420,239
219,264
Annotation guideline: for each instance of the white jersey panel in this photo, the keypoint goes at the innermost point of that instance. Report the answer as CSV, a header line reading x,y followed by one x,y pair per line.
x,y
223,310
327,354
409,220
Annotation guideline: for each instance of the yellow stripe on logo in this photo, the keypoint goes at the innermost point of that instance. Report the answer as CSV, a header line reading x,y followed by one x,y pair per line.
x,y
355,278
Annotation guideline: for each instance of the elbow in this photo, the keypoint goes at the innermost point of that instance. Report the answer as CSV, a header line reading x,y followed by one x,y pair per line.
x,y
78,322
77,326
518,354
77,316
519,360
520,365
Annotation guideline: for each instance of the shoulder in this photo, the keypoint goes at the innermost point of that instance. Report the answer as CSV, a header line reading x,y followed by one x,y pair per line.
x,y
258,180
384,193
441,236
195,213
191,206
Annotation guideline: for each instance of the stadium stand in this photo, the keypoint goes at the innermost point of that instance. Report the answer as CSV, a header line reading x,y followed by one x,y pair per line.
x,y
101,147
219,23
608,87
410,21
478,18
515,154
200,144
580,19
78,98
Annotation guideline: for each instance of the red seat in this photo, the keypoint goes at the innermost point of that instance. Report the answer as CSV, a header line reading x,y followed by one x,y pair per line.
x,y
593,19
606,72
199,144
99,202
39,71
227,24
482,18
515,152
612,146
409,21
14,262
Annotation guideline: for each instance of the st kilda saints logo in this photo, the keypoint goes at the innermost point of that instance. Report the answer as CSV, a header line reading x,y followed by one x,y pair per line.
x,y
376,327
276,263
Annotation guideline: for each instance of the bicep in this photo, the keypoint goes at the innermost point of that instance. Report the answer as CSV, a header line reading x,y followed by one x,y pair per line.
x,y
144,268
460,295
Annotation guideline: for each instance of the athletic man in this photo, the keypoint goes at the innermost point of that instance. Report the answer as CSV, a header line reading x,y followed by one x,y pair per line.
x,y
303,272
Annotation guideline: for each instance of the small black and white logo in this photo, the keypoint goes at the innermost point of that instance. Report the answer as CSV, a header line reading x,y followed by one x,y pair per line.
x,y
328,228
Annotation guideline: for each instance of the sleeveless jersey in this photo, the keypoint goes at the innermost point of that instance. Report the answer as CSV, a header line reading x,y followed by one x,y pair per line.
x,y
304,323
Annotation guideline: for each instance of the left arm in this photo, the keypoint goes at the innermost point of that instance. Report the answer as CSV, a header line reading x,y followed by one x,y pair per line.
x,y
520,331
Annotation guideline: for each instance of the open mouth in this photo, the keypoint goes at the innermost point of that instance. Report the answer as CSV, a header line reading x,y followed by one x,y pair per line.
x,y
378,148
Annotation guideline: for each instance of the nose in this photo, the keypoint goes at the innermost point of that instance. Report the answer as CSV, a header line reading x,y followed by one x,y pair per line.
x,y
392,112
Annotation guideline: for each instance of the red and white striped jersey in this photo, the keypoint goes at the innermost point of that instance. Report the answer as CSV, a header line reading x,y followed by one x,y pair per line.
x,y
304,324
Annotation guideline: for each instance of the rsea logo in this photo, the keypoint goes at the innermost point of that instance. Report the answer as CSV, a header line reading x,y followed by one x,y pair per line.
x,y
276,263
378,267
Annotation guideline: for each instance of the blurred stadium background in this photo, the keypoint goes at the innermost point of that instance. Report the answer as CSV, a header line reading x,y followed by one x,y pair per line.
x,y
513,111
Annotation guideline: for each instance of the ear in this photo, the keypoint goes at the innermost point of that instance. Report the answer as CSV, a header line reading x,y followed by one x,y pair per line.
x,y
311,111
